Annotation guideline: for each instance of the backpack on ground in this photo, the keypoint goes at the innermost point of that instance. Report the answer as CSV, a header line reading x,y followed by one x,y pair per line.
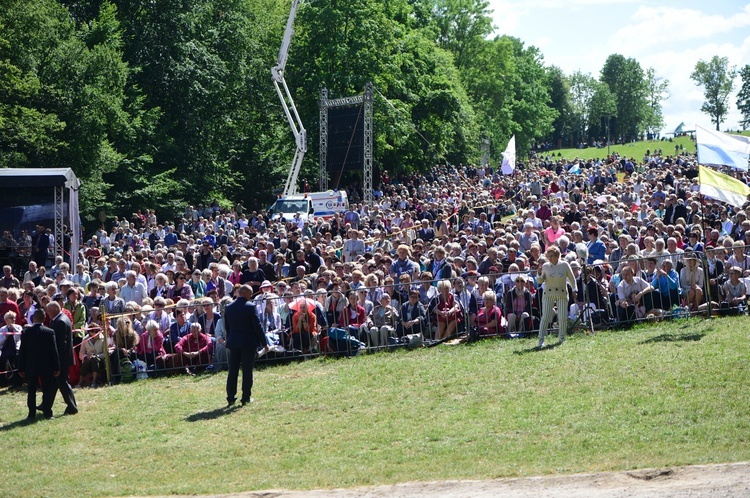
x,y
126,370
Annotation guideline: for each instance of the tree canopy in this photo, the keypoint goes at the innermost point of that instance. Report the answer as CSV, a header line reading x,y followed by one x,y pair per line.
x,y
162,103
717,80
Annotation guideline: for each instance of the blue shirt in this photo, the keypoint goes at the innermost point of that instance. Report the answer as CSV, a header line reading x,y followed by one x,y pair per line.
x,y
597,250
170,239
665,283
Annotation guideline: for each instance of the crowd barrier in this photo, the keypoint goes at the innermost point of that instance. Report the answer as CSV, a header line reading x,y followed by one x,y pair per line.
x,y
593,305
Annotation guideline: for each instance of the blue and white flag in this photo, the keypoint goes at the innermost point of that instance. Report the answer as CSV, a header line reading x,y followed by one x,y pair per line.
x,y
722,149
575,169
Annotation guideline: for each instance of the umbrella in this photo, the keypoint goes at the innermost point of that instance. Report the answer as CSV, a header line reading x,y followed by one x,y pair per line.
x,y
296,304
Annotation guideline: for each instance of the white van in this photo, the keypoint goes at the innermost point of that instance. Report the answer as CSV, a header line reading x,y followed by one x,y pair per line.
x,y
311,205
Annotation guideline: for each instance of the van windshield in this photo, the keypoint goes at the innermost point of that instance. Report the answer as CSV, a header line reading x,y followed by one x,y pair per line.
x,y
291,207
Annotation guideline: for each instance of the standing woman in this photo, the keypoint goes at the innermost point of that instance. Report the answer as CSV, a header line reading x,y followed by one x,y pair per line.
x,y
556,275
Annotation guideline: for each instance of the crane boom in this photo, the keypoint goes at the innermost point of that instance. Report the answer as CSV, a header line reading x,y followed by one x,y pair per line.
x,y
287,103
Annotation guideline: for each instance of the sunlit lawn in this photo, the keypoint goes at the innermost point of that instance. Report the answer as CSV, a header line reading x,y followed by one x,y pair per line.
x,y
670,394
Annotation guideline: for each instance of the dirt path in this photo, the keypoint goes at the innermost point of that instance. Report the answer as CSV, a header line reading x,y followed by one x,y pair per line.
x,y
699,481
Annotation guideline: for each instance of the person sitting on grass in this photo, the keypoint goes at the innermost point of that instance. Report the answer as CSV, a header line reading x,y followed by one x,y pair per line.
x,y
691,281
304,327
666,284
445,307
126,341
194,350
150,348
353,316
382,322
518,306
489,317
91,354
633,298
413,316
735,292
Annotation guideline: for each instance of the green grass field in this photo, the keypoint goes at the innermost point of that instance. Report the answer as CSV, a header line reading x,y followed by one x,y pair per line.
x,y
636,150
668,394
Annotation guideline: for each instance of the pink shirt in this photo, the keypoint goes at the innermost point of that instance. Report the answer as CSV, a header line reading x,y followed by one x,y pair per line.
x,y
553,235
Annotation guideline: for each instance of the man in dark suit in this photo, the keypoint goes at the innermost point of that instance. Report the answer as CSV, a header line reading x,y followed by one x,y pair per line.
x,y
41,244
38,359
64,338
244,337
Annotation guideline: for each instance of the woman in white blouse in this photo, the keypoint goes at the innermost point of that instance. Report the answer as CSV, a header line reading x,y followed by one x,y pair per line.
x,y
556,275
691,281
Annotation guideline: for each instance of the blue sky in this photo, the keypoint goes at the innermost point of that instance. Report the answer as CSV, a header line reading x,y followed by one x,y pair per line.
x,y
670,36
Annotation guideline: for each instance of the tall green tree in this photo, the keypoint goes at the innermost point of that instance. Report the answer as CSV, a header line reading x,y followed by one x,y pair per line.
x,y
28,132
206,66
343,45
657,90
626,81
508,87
743,97
602,108
582,89
717,79
559,91
462,28
70,95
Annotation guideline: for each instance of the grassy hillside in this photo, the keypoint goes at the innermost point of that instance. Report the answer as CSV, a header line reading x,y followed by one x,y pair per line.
x,y
636,150
669,394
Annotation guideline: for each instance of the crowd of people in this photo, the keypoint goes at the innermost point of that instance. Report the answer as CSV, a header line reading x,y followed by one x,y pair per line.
x,y
458,253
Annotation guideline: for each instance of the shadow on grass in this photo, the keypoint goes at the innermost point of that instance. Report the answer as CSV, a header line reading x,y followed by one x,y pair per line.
x,y
11,390
213,414
18,423
536,349
695,337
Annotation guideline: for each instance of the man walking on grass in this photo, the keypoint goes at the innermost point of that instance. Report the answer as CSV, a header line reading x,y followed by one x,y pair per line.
x,y
38,360
64,339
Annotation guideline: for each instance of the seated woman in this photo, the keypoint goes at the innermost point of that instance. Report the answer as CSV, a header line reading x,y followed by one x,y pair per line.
x,y
353,316
691,281
382,322
150,348
364,302
334,304
445,307
304,327
194,350
91,355
125,341
489,317
518,307
270,319
735,292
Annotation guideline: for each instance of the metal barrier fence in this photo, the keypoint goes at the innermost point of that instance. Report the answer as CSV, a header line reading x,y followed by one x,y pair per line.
x,y
424,313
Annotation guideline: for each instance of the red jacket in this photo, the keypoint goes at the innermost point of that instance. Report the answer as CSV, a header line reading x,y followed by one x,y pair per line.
x,y
157,345
345,318
189,344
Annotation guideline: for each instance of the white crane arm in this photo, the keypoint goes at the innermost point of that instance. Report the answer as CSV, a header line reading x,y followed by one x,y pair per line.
x,y
287,103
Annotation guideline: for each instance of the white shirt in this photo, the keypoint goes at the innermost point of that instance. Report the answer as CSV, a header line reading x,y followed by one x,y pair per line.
x,y
355,246
135,293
